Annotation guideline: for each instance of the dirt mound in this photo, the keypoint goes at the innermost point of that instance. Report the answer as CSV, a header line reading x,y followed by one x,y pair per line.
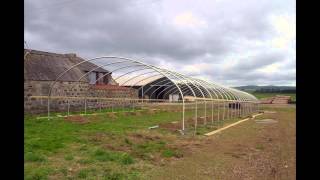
x,y
112,116
170,126
77,119
152,111
134,113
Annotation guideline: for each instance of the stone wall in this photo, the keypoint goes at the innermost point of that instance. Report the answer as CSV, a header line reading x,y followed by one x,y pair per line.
x,y
73,89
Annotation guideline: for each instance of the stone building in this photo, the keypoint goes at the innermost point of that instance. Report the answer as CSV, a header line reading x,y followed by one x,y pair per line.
x,y
41,69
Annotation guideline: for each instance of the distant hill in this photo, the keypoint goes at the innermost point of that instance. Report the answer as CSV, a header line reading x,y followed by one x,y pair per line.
x,y
265,89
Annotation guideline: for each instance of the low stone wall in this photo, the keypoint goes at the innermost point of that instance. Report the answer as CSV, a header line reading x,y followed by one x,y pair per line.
x,y
73,89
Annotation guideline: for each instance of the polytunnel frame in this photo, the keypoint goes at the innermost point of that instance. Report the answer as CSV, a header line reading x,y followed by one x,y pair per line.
x,y
115,57
226,94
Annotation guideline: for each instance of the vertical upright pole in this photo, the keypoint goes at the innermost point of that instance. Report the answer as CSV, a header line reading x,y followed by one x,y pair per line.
x,y
196,119
143,95
212,111
224,110
205,112
68,108
230,106
183,113
85,105
218,110
246,109
228,110
48,107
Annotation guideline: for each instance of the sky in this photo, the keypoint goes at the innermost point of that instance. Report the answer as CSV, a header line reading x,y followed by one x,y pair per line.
x,y
231,42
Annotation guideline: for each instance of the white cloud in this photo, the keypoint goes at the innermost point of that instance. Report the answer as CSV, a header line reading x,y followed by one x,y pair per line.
x,y
188,19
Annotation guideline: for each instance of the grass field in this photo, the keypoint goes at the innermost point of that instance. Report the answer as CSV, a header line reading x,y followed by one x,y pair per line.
x,y
100,146
122,147
266,95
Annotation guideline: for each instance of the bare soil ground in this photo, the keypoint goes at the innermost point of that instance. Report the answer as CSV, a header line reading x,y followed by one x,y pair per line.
x,y
249,150
77,119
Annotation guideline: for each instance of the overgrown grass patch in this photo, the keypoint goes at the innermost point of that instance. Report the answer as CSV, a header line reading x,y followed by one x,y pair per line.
x,y
68,157
37,173
122,158
83,173
34,157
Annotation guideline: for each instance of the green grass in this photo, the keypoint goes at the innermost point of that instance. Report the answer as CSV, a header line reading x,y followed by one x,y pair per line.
x,y
33,157
42,135
123,158
68,157
266,95
40,173
171,153
80,144
56,147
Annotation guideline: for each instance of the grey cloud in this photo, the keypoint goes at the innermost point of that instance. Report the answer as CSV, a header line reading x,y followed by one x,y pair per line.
x,y
136,29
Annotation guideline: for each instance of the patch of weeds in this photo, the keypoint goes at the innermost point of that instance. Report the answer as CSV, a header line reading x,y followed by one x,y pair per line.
x,y
134,175
151,146
127,141
122,158
33,157
259,146
167,153
171,153
68,157
38,174
162,143
83,173
102,155
64,171
85,161
144,150
126,159
83,148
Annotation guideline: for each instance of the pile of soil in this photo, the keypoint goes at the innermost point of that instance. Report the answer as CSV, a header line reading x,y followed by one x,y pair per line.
x,y
112,115
77,119
133,113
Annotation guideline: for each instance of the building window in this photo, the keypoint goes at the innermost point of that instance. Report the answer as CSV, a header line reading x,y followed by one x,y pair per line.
x,y
92,78
98,78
